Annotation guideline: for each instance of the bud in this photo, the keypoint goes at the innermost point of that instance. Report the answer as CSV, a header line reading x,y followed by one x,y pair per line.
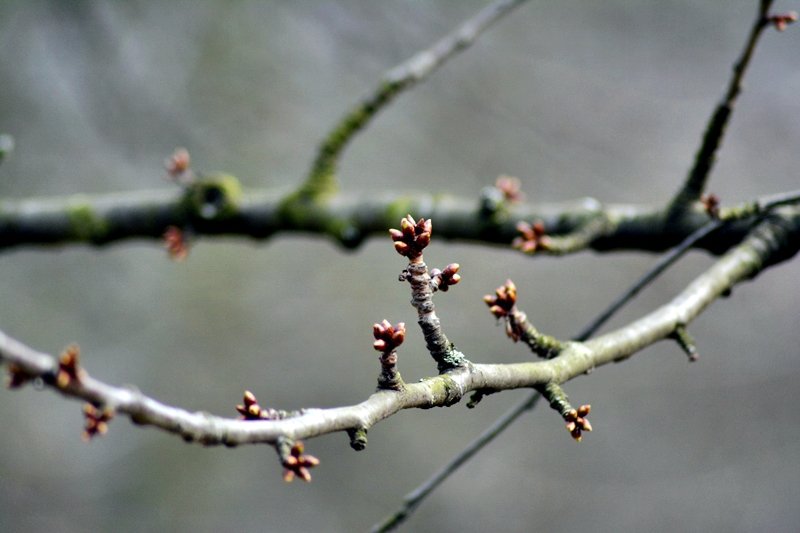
x,y
401,247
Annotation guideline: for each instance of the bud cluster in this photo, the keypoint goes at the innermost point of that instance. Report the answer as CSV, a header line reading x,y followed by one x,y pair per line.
x,y
68,369
96,421
510,187
297,464
412,237
252,411
532,237
577,421
388,337
178,166
443,279
782,20
505,298
176,243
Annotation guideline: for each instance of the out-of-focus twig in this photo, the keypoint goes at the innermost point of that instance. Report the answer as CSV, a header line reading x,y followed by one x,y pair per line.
x,y
414,498
715,130
322,177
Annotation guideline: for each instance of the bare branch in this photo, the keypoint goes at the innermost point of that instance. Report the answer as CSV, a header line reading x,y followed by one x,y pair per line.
x,y
218,206
413,499
715,130
774,239
322,177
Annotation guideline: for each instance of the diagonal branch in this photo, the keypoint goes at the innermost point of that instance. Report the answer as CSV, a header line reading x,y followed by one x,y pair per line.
x,y
322,177
715,130
413,499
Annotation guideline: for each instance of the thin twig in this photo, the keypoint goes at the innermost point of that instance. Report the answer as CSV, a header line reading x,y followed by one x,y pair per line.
x,y
715,130
759,206
416,496
661,265
322,177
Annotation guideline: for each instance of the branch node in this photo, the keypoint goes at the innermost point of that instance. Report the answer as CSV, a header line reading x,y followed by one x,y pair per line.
x,y
685,341
213,198
477,396
358,438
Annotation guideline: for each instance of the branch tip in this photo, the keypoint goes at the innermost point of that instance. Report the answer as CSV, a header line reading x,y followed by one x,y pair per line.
x,y
358,438
517,326
412,237
387,339
576,421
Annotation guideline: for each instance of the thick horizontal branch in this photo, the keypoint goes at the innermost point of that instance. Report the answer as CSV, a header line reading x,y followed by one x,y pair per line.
x,y
217,206
774,239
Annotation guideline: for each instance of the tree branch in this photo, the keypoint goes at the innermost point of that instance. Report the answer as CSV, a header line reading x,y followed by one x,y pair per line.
x,y
322,177
217,206
715,130
774,239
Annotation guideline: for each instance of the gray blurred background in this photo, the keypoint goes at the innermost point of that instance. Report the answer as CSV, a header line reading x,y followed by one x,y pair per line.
x,y
576,98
